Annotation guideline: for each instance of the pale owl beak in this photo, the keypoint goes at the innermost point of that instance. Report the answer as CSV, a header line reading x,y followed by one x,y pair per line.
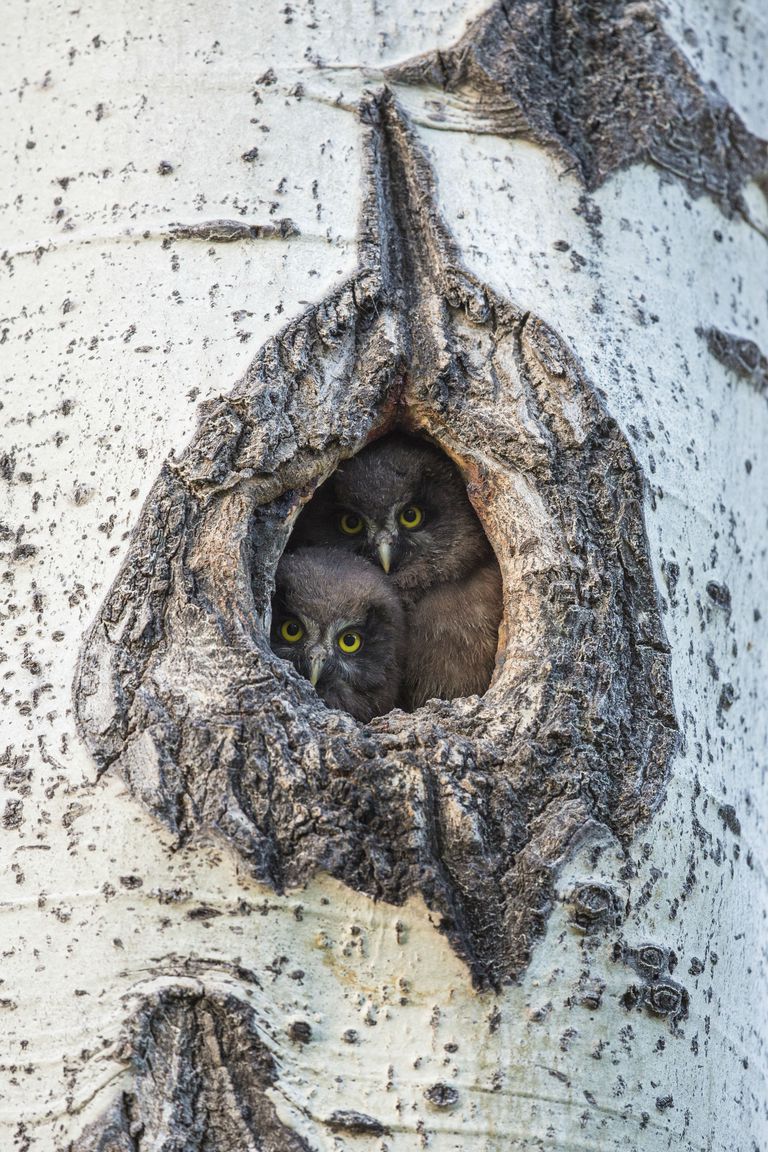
x,y
384,549
315,668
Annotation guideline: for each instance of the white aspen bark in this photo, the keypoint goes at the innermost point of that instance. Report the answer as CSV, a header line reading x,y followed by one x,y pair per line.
x,y
119,122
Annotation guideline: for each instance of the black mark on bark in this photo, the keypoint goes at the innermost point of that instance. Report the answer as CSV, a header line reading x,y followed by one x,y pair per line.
x,y
356,1124
200,1080
739,355
442,1096
594,907
657,993
727,814
230,231
600,84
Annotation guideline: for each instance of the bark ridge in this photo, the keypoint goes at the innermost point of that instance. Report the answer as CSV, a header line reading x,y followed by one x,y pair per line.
x,y
200,1075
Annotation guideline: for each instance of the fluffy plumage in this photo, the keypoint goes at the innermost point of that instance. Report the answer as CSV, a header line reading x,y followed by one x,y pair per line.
x,y
402,503
330,596
453,633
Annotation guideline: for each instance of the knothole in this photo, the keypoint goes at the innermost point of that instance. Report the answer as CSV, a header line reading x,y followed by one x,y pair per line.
x,y
389,593
475,801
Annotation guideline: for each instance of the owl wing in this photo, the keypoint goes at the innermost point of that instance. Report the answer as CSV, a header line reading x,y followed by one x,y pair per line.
x,y
453,633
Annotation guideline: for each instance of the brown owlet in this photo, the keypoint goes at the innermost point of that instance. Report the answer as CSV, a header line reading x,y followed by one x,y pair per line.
x,y
341,624
403,503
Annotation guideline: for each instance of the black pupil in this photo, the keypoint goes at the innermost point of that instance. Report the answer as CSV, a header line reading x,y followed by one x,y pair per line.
x,y
293,629
411,514
353,521
349,639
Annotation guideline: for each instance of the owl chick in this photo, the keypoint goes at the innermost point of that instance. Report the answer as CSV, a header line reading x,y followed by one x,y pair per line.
x,y
402,502
338,620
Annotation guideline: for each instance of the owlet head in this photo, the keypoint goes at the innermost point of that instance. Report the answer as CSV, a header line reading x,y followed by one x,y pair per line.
x,y
402,504
336,619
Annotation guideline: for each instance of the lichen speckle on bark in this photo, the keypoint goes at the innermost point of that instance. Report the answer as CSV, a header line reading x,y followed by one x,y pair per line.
x,y
474,802
600,84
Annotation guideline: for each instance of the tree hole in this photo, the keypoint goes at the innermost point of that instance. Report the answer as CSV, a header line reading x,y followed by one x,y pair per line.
x,y
389,593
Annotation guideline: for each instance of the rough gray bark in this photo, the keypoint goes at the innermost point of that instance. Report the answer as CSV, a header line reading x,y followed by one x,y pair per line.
x,y
200,1074
602,85
474,802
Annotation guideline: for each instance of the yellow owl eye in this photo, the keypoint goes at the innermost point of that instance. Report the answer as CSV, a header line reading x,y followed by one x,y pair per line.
x,y
291,631
351,524
411,517
349,641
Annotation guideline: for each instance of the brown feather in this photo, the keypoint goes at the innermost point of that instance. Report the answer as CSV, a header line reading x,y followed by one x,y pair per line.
x,y
453,633
445,571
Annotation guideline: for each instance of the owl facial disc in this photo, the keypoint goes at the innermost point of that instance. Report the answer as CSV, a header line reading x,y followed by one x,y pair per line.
x,y
336,618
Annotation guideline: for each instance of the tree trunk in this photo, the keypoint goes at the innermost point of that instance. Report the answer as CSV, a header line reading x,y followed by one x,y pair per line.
x,y
236,919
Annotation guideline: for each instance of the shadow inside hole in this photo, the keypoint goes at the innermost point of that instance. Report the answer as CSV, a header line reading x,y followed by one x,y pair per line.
x,y
389,593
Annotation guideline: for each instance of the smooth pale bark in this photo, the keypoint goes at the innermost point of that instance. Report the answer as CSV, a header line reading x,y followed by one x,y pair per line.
x,y
111,345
